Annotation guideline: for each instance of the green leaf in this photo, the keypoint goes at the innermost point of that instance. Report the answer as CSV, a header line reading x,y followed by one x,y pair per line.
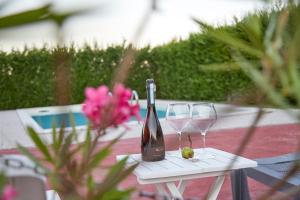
x,y
229,39
226,66
262,82
87,142
73,125
205,26
3,181
236,43
293,66
112,142
72,122
98,157
26,17
253,27
39,143
116,169
116,174
61,136
36,15
90,183
59,18
74,150
54,138
64,153
115,194
28,154
123,174
269,33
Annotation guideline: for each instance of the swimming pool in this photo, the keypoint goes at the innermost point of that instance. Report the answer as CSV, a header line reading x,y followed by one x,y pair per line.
x,y
43,118
46,121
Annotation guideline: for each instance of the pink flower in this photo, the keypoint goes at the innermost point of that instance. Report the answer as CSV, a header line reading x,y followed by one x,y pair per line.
x,y
105,110
9,193
95,100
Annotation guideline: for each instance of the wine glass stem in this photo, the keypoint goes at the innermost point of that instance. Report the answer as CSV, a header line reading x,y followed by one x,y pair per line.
x,y
204,142
179,140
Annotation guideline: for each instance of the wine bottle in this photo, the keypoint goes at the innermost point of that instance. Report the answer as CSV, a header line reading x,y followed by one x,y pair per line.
x,y
152,145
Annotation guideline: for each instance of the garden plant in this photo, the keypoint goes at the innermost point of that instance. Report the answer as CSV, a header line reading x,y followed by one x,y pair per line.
x,y
259,53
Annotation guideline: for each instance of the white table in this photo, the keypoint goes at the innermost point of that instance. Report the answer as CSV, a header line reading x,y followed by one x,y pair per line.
x,y
165,173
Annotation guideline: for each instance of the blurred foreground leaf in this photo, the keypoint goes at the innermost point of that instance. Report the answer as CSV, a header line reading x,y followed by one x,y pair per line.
x,y
42,13
26,17
70,165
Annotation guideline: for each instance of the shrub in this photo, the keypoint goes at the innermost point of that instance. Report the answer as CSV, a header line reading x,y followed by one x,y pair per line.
x,y
182,70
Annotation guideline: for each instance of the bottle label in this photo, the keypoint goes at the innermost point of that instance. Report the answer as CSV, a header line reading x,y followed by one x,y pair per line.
x,y
153,153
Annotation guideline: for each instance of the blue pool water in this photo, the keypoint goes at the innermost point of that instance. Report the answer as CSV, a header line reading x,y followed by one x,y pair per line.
x,y
46,121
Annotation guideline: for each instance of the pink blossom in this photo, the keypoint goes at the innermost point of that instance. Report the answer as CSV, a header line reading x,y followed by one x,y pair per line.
x,y
96,99
9,193
105,110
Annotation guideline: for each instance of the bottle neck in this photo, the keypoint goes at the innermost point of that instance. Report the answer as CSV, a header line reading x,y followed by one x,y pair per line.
x,y
151,95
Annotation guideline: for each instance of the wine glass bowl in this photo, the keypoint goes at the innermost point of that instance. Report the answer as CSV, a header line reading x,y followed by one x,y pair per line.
x,y
203,117
178,117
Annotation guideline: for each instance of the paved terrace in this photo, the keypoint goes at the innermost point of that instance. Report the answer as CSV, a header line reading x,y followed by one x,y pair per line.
x,y
278,133
12,130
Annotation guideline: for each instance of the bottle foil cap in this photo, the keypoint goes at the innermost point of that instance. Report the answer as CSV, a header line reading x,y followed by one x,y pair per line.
x,y
149,82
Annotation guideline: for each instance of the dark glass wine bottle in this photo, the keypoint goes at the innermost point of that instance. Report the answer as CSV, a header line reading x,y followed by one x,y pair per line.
x,y
152,145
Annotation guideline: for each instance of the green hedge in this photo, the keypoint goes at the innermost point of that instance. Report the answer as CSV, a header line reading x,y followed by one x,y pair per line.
x,y
182,72
26,79
179,69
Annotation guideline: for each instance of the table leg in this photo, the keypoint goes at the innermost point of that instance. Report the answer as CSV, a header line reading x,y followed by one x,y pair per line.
x,y
181,186
174,190
161,189
216,187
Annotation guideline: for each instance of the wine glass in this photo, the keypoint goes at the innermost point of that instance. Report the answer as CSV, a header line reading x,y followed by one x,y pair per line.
x,y
203,116
178,116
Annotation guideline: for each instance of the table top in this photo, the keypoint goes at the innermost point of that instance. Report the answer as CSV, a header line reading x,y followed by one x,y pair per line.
x,y
176,168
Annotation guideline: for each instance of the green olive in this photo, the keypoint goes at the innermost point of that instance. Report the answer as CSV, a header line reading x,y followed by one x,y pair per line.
x,y
187,152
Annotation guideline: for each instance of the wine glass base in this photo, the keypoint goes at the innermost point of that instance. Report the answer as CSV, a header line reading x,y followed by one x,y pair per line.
x,y
202,154
208,156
